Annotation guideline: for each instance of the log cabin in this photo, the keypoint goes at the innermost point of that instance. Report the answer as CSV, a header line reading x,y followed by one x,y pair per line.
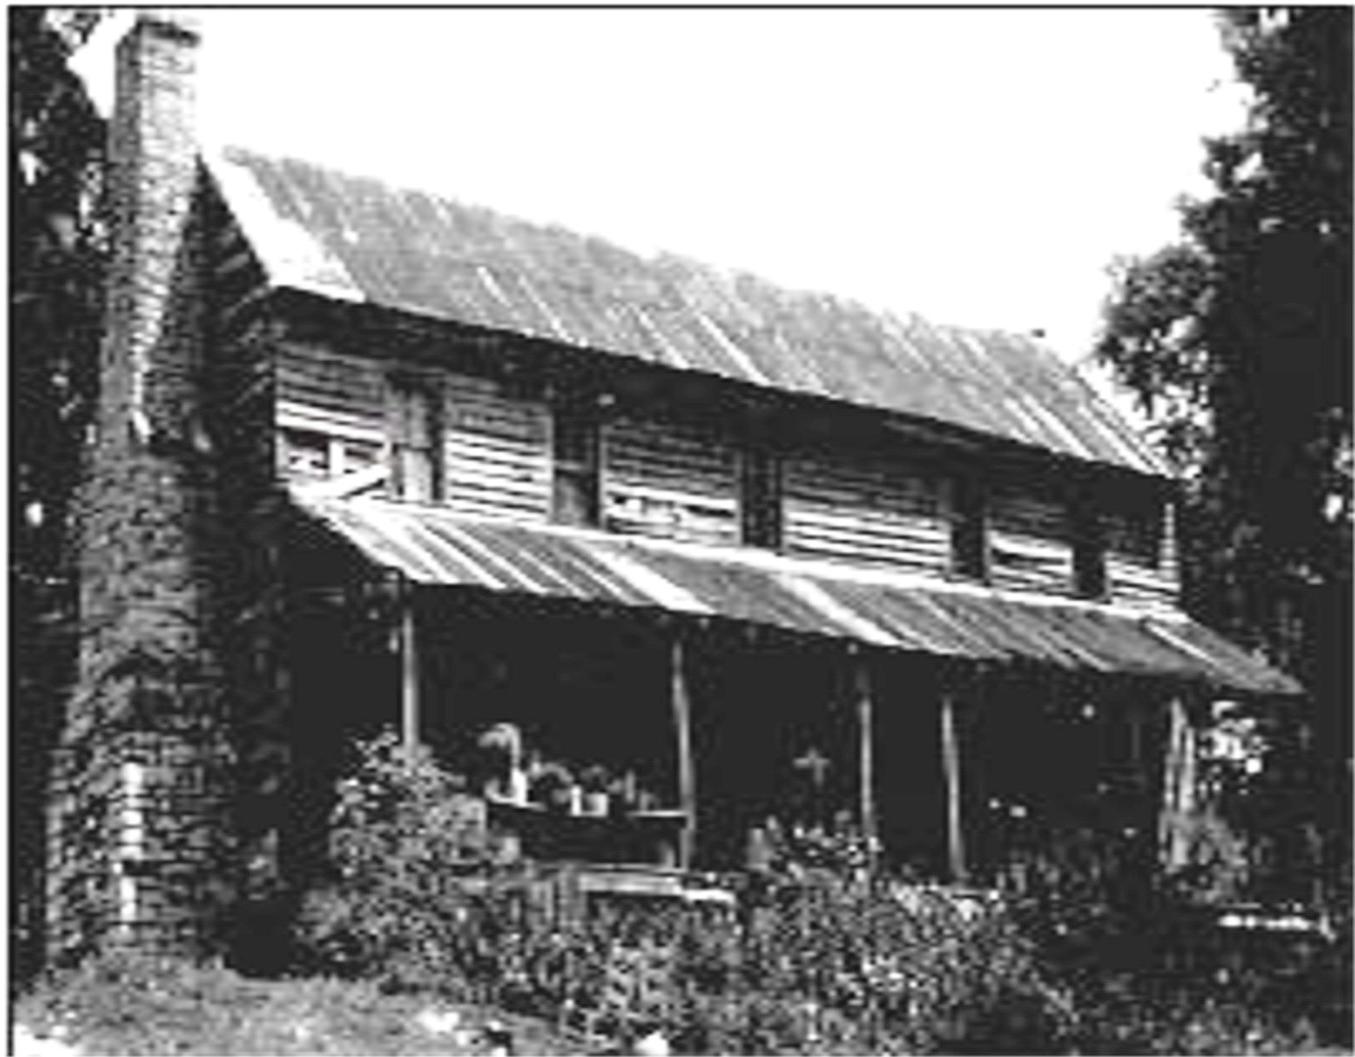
x,y
369,457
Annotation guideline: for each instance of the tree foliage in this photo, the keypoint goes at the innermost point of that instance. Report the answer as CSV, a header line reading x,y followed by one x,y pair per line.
x,y
57,258
58,252
1237,339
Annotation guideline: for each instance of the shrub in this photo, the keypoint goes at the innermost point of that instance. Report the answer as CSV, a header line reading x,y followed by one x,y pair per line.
x,y
820,958
883,965
1149,970
1146,1016
404,836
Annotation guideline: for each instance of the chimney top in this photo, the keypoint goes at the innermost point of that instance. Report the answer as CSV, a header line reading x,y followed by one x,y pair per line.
x,y
183,23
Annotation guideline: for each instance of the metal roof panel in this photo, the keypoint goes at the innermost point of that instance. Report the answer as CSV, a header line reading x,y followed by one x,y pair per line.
x,y
434,546
391,247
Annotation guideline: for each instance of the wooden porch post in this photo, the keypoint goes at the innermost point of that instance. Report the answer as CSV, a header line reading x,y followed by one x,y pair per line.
x,y
1178,785
865,719
682,722
409,673
950,758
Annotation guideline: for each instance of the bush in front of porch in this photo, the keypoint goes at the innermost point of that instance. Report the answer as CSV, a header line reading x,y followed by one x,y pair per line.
x,y
404,837
818,958
1150,969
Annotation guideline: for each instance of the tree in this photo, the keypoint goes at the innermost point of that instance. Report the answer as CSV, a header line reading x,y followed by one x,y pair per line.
x,y
1237,342
58,253
57,259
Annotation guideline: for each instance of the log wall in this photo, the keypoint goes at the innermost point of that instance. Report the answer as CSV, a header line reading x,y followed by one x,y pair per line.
x,y
1030,538
317,383
681,482
495,445
865,510
497,455
1141,552
665,479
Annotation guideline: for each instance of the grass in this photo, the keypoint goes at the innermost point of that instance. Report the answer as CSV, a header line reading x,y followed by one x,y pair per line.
x,y
180,1009
172,1008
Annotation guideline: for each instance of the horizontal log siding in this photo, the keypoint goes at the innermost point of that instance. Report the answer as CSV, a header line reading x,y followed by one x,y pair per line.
x,y
867,511
346,389
663,479
331,395
496,454
1134,574
1030,540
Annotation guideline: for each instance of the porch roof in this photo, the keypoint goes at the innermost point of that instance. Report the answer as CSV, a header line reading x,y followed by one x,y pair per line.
x,y
437,547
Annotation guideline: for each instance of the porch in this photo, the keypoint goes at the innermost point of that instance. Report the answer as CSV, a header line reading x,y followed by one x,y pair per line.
x,y
674,706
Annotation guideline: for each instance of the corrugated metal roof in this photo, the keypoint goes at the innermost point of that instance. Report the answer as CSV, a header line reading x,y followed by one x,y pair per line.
x,y
357,240
433,546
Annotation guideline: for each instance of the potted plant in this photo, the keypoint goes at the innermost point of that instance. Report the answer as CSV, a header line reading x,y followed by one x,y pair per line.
x,y
595,781
551,786
624,794
501,747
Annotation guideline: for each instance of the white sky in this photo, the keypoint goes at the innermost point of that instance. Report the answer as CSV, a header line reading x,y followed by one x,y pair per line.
x,y
980,167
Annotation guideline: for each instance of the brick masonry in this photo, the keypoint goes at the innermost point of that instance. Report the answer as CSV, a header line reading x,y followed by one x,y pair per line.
x,y
140,848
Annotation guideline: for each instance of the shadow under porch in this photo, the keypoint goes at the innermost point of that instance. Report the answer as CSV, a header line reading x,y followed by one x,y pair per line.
x,y
966,765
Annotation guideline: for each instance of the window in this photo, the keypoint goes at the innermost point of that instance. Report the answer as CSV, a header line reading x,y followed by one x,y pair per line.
x,y
349,456
416,462
575,453
1089,551
760,499
304,453
1137,536
969,529
315,454
1134,525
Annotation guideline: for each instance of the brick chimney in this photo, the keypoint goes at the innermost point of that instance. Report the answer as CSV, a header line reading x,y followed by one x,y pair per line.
x,y
139,839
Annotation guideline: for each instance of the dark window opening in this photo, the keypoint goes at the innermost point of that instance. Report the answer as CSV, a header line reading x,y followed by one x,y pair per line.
x,y
760,499
1089,555
576,445
969,529
416,470
1136,534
